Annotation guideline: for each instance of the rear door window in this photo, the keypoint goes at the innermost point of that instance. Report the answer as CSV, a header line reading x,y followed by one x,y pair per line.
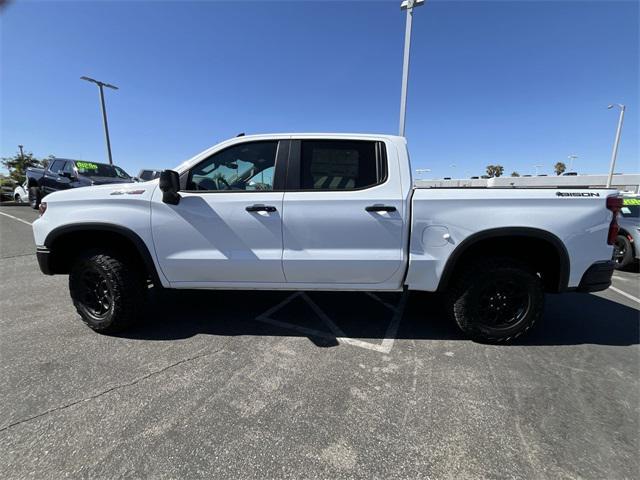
x,y
340,165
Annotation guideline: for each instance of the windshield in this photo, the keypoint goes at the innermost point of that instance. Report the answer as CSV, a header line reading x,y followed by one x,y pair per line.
x,y
90,169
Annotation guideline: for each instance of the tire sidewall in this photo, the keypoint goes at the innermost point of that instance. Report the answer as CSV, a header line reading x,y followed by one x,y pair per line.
x,y
88,264
34,197
467,303
628,252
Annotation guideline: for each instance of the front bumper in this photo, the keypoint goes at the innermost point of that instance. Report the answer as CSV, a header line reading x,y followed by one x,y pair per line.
x,y
43,254
597,277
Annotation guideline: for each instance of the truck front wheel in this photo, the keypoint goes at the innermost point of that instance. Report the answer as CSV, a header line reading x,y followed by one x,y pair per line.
x,y
107,293
622,252
34,197
497,300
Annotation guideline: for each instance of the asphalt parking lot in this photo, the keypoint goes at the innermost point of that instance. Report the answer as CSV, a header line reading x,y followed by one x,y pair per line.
x,y
318,385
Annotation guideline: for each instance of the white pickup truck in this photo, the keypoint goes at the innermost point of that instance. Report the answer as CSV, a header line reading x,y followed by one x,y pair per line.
x,y
326,212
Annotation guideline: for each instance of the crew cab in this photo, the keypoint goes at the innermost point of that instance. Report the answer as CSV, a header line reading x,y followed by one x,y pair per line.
x,y
62,174
326,212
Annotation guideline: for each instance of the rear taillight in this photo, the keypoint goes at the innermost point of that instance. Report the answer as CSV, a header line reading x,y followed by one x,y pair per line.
x,y
614,203
42,208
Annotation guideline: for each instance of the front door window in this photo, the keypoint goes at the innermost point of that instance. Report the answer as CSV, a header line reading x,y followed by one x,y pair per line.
x,y
247,166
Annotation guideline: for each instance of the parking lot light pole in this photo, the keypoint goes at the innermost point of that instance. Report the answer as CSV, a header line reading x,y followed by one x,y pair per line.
x,y
21,152
104,111
571,159
616,142
407,5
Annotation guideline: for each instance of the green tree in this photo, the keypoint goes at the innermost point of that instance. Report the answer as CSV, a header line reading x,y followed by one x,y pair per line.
x,y
495,170
560,168
18,164
515,174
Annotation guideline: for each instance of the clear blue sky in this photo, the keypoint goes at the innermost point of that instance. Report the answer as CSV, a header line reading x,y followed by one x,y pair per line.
x,y
517,83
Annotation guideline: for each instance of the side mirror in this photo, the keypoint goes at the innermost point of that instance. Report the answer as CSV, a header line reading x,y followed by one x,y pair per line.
x,y
170,185
68,175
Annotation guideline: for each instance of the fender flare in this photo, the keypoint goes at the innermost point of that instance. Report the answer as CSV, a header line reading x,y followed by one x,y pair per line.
x,y
502,232
129,234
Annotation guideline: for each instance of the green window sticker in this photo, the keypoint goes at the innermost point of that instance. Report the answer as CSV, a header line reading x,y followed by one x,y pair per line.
x,y
631,201
86,166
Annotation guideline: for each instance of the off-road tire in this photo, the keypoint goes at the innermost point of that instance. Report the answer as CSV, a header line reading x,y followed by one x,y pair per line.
x,y
468,297
622,242
34,197
125,286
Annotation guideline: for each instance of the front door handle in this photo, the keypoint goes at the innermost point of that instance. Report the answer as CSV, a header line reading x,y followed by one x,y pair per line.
x,y
380,208
260,208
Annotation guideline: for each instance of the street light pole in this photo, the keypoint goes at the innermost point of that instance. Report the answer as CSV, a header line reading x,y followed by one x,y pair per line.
x,y
571,159
104,111
407,5
614,153
21,152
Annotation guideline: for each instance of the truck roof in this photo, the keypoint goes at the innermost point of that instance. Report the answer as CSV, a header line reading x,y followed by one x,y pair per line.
x,y
321,134
76,160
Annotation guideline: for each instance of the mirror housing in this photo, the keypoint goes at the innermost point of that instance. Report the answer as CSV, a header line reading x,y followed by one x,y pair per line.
x,y
170,185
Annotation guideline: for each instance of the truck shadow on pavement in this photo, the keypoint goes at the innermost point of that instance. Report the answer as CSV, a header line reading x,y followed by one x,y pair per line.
x,y
570,319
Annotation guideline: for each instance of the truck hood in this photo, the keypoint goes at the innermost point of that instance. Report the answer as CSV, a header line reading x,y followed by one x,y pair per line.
x,y
104,192
107,180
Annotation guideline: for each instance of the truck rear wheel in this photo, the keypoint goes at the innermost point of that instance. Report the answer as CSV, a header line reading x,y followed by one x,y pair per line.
x,y
497,300
34,197
107,293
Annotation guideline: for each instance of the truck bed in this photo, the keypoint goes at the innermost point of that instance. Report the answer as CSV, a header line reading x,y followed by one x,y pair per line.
x,y
441,221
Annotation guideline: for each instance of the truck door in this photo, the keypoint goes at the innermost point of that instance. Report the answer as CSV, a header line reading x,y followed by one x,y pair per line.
x,y
343,214
68,179
227,228
52,174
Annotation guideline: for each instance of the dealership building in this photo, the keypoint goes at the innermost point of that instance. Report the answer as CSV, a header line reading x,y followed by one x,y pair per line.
x,y
624,182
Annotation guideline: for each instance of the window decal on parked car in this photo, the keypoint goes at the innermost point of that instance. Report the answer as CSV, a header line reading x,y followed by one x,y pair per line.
x,y
87,166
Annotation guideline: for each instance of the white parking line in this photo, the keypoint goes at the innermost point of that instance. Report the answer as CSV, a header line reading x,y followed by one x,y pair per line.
x,y
624,279
336,332
15,218
625,294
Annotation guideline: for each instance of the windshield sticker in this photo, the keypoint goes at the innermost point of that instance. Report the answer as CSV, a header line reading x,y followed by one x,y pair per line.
x,y
631,201
87,166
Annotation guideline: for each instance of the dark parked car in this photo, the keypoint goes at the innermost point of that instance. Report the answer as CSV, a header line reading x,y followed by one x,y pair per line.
x,y
626,248
6,188
62,174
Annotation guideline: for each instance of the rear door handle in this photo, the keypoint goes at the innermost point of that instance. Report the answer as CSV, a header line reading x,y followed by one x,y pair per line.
x,y
260,208
380,208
